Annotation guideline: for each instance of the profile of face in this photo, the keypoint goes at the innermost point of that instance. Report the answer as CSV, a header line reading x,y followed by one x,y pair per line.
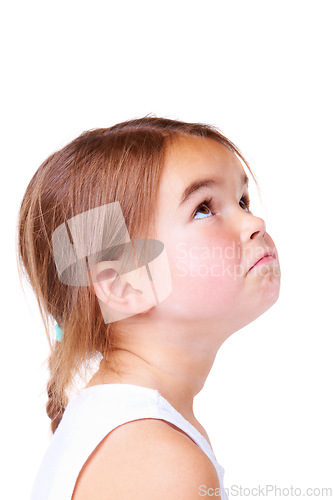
x,y
212,245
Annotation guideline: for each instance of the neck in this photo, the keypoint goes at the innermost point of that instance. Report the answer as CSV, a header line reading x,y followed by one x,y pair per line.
x,y
173,363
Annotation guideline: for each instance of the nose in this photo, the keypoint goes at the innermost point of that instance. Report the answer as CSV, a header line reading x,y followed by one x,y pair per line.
x,y
253,227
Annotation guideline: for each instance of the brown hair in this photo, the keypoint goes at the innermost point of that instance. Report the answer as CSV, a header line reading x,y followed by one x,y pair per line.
x,y
121,163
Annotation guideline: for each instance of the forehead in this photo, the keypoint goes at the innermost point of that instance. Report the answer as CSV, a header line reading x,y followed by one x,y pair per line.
x,y
190,158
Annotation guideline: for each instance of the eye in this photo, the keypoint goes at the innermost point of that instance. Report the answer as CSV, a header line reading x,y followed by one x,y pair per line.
x,y
245,200
208,203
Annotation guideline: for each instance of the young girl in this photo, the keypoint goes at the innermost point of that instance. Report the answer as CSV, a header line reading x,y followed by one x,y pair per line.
x,y
138,240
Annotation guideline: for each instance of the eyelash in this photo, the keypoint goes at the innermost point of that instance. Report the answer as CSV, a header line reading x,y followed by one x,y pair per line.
x,y
210,204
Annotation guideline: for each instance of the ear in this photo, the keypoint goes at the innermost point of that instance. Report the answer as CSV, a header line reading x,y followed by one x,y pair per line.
x,y
124,295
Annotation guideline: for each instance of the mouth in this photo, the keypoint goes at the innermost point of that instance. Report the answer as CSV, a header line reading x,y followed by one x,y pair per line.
x,y
270,255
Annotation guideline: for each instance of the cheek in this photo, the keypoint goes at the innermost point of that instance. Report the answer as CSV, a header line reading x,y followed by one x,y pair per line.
x,y
206,275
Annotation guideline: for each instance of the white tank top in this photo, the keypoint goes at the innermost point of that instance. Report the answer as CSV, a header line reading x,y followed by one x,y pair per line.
x,y
92,414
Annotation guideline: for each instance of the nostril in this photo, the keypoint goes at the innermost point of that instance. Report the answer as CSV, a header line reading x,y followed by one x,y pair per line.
x,y
254,234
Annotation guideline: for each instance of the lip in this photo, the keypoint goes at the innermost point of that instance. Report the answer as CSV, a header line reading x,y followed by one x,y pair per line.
x,y
264,258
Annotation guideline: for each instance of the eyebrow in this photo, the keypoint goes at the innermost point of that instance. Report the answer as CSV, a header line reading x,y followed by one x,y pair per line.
x,y
202,183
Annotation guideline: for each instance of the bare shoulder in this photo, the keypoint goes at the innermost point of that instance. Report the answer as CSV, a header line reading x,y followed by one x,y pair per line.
x,y
146,459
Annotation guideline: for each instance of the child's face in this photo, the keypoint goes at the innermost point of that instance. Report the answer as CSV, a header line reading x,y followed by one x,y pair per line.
x,y
211,251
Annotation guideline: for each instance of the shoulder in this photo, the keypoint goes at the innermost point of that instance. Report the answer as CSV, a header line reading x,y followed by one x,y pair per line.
x,y
146,459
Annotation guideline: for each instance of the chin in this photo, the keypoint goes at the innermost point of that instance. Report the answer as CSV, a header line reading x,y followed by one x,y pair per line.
x,y
270,296
265,301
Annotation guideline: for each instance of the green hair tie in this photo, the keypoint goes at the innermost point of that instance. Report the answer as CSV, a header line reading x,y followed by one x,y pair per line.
x,y
59,333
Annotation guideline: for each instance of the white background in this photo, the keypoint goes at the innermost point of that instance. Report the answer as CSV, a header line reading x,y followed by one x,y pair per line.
x,y
261,71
